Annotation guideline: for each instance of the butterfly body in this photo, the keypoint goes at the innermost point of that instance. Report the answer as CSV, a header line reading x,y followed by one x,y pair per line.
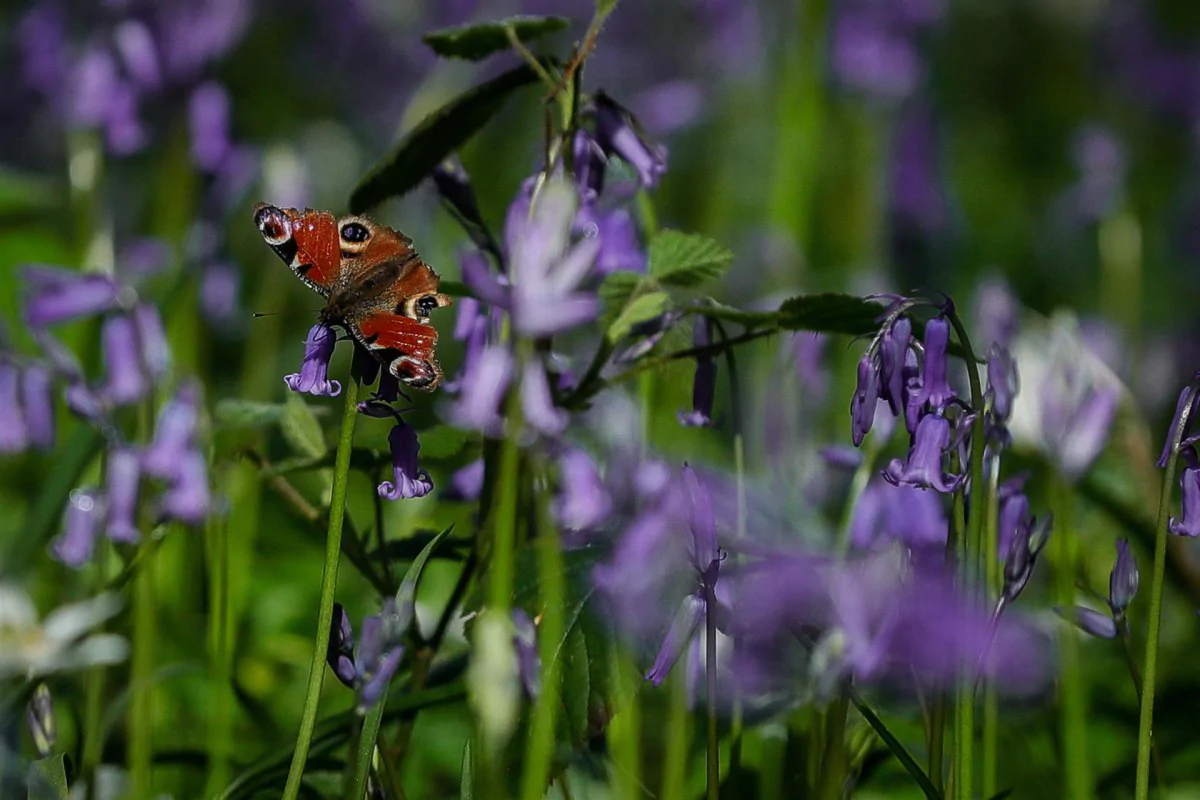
x,y
375,284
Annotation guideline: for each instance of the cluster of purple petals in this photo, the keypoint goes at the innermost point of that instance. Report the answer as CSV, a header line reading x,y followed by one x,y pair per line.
x,y
371,666
1187,522
1122,588
875,45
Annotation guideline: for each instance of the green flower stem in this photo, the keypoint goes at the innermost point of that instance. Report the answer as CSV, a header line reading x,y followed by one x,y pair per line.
x,y
93,708
1136,677
553,589
675,759
364,750
712,751
220,646
833,767
504,519
1074,679
993,580
971,558
333,549
141,705
1149,680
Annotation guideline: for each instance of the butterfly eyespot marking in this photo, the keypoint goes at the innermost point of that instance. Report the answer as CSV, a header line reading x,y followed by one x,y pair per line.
x,y
273,224
426,304
355,233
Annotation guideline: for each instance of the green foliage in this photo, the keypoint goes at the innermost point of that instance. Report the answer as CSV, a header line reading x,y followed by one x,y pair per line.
x,y
829,313
639,309
436,137
686,259
477,42
48,779
301,428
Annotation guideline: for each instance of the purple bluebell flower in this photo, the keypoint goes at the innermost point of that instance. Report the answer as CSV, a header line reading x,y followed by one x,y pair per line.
x,y
139,53
1188,522
1014,511
894,351
37,401
1183,410
1076,433
872,55
220,288
14,436
683,628
187,498
483,389
529,663
85,515
646,335
1028,539
1092,622
174,434
208,120
997,313
153,349
935,389
340,653
39,717
407,480
1003,382
123,479
542,296
616,135
887,512
125,382
620,247
376,661
924,465
864,402
590,164
59,295
1123,580
583,501
313,376
537,404
466,483
704,381
458,196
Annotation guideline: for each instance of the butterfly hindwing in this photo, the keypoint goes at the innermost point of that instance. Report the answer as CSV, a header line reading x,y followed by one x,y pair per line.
x,y
403,344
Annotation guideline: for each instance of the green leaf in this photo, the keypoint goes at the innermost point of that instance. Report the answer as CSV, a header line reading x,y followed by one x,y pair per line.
x,y
443,441
48,779
407,593
435,137
830,313
301,428
236,413
686,259
750,319
466,783
25,192
604,8
477,42
640,309
615,292
576,685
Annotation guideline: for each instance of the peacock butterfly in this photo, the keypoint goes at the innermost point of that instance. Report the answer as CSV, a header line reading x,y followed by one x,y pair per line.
x,y
374,284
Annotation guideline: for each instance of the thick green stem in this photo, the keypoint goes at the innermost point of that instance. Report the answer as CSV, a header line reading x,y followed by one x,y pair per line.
x,y
1149,680
333,549
550,636
1074,679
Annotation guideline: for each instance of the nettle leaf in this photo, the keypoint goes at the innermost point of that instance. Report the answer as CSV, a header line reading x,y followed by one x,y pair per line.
x,y
436,137
301,428
616,290
830,313
686,259
640,309
477,42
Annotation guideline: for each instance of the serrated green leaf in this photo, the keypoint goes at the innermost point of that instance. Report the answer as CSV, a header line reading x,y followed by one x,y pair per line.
x,y
830,313
301,428
477,42
436,137
235,413
750,319
576,685
48,779
686,259
638,310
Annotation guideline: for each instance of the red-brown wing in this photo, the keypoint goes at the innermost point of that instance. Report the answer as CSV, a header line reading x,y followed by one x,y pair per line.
x,y
307,241
404,345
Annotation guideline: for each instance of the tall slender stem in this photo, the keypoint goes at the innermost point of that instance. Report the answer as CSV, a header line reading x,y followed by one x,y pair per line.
x,y
333,549
220,655
141,707
356,787
712,752
1074,679
1150,678
992,581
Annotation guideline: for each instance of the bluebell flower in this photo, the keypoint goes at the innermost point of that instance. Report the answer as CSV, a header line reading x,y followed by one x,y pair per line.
x,y
1028,539
188,498
407,480
14,436
85,515
537,404
864,402
1123,580
889,512
379,654
935,388
208,123
37,403
616,135
679,635
924,465
897,365
1188,521
590,164
482,391
340,653
704,381
529,663
1003,382
59,295
124,382
313,377
583,501
1095,623
124,473
620,245
174,434
453,186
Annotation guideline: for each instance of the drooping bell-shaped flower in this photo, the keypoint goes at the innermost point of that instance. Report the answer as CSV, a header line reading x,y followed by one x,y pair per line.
x,y
174,434
888,512
1094,623
85,515
1183,407
1028,539
1123,580
124,381
620,246
590,164
57,295
482,391
188,498
123,478
340,653
466,483
924,465
14,436
529,663
683,627
408,481
935,388
458,196
208,124
583,502
1188,522
1003,382
616,135
704,382
864,402
37,401
313,377
375,662
39,717
893,352
537,404
153,348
